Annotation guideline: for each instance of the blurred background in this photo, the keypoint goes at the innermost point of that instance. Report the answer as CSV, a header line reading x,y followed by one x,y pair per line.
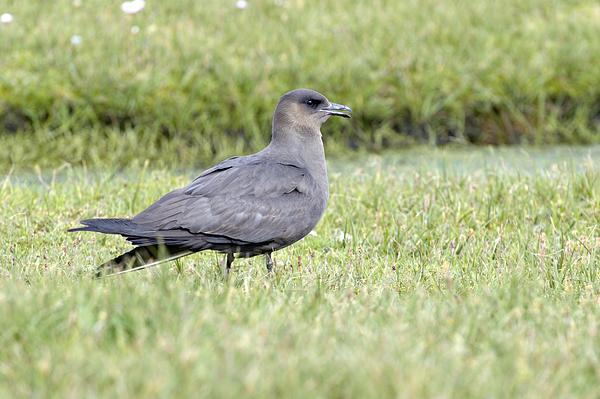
x,y
187,82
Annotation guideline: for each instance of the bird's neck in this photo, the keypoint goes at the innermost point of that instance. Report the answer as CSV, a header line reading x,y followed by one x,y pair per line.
x,y
301,145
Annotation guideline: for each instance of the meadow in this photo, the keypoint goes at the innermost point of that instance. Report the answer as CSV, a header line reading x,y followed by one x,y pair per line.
x,y
447,264
81,82
434,273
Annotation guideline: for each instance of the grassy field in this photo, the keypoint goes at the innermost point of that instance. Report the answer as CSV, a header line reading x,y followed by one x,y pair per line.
x,y
433,274
447,273
81,80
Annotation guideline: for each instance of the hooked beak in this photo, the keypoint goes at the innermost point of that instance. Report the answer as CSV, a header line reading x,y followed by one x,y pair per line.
x,y
338,109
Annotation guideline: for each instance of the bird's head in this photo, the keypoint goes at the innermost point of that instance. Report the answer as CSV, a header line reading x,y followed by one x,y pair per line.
x,y
306,109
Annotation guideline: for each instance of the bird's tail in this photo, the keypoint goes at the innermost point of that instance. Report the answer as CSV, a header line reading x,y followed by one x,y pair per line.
x,y
107,226
140,258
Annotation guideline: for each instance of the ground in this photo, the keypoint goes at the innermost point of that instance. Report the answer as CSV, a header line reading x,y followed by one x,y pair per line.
x,y
434,273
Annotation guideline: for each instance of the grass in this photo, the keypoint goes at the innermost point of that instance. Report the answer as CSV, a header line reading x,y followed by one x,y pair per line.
x,y
433,274
203,77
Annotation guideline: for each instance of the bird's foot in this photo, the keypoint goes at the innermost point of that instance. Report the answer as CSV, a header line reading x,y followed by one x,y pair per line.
x,y
228,261
269,262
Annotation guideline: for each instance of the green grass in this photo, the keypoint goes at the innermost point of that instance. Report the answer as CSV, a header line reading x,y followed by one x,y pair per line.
x,y
203,77
434,274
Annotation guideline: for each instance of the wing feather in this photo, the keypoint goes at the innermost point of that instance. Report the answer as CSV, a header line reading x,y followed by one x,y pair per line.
x,y
243,200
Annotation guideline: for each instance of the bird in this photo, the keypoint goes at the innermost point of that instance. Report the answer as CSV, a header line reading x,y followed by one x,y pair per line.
x,y
243,206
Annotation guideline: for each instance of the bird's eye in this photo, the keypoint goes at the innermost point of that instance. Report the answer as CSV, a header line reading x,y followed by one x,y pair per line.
x,y
312,103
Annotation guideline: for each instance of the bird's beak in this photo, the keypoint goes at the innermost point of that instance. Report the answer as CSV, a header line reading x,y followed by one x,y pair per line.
x,y
338,109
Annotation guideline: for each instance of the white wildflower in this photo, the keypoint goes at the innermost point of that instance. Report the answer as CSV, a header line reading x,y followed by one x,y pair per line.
x,y
6,18
76,40
133,6
241,4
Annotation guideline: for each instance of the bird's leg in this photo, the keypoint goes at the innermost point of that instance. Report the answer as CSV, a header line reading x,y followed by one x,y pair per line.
x,y
269,262
228,261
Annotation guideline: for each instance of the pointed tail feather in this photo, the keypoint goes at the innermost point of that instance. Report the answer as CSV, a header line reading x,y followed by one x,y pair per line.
x,y
140,258
108,226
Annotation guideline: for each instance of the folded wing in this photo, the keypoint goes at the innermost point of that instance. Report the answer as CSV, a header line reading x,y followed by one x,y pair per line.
x,y
240,201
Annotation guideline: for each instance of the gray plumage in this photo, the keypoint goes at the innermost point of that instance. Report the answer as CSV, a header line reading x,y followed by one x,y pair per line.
x,y
247,205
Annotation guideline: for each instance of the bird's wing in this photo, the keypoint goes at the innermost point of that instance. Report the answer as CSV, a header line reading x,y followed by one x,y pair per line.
x,y
246,200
